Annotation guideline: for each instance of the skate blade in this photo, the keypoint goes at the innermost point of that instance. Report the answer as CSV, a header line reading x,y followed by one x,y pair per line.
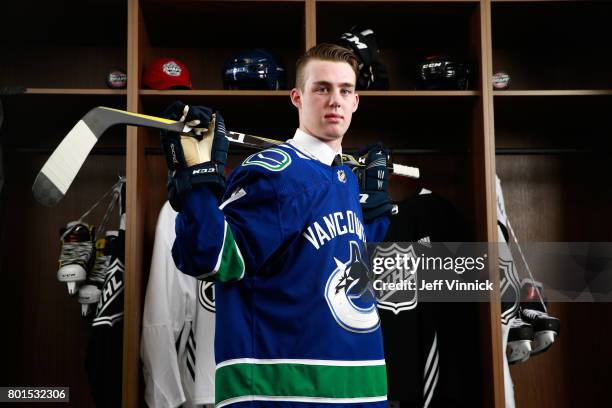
x,y
543,340
518,351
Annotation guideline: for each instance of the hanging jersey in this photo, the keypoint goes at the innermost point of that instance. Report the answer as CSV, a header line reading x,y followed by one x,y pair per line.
x,y
104,360
177,329
297,323
510,287
508,275
422,343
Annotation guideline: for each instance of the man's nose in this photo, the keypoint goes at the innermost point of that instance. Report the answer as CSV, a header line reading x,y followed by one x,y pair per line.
x,y
334,98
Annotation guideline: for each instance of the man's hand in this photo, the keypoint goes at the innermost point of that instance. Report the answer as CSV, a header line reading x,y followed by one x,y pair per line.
x,y
373,180
194,161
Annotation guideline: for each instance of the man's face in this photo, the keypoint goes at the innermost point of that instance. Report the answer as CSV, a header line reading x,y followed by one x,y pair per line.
x,y
328,100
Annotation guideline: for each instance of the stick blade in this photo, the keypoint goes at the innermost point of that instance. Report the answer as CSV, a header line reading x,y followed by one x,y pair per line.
x,y
61,168
45,192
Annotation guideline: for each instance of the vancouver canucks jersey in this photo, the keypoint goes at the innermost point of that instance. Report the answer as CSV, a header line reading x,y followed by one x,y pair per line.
x,y
296,316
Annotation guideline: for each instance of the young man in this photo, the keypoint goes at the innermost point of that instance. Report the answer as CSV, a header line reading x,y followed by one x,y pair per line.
x,y
296,321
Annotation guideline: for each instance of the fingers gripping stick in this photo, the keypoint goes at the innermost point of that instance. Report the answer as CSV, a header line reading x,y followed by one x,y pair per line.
x,y
198,151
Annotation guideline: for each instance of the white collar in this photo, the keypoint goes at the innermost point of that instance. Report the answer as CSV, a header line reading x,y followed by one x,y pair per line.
x,y
313,146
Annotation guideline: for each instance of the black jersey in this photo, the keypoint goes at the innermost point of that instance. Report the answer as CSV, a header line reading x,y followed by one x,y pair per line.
x,y
432,350
104,359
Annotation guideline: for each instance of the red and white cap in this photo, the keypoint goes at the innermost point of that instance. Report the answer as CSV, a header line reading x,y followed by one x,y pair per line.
x,y
166,73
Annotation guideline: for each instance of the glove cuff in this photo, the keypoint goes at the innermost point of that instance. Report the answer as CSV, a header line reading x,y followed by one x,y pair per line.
x,y
193,177
370,214
376,203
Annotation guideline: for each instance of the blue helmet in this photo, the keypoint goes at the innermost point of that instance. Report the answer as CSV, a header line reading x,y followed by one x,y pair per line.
x,y
253,69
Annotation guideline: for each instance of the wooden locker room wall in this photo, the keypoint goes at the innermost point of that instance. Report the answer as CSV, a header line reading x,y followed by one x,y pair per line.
x,y
457,168
552,133
62,57
59,94
49,58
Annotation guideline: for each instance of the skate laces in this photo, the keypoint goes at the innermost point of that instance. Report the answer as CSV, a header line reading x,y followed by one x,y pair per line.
x,y
540,297
81,251
115,190
534,314
75,252
99,269
98,272
517,322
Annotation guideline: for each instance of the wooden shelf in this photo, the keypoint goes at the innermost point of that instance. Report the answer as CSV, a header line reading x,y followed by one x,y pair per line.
x,y
285,93
555,92
535,1
419,93
570,53
202,92
440,27
74,91
64,22
399,1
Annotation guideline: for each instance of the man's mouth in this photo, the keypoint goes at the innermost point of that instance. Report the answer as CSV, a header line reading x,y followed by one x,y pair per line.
x,y
333,117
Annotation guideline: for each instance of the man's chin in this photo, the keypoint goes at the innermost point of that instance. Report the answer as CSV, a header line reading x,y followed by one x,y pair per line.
x,y
333,132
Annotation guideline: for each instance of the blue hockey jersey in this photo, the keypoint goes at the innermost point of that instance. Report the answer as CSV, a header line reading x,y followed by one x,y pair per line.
x,y
297,323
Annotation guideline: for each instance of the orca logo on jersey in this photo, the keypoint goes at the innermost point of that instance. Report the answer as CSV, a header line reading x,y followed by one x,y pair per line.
x,y
206,295
270,159
350,295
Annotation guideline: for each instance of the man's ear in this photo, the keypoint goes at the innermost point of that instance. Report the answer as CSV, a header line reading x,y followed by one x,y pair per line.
x,y
356,103
296,98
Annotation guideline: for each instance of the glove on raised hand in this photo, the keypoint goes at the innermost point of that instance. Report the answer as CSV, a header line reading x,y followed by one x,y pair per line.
x,y
373,180
195,159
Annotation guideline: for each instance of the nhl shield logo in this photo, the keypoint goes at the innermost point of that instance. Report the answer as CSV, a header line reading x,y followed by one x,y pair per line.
x,y
342,176
400,299
206,295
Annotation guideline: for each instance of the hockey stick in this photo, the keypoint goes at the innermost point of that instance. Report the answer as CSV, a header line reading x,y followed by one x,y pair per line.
x,y
59,171
263,143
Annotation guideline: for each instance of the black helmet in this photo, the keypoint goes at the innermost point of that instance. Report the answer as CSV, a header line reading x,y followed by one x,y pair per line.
x,y
372,74
443,72
253,69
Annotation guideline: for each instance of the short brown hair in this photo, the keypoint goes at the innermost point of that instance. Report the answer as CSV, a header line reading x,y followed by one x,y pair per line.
x,y
324,52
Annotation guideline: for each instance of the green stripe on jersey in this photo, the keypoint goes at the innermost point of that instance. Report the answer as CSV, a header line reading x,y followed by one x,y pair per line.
x,y
299,380
231,264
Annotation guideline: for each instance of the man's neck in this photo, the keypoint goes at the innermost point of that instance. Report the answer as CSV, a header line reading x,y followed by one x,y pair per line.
x,y
335,145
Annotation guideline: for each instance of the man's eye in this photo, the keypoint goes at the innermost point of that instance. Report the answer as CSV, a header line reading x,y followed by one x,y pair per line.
x,y
347,91
321,89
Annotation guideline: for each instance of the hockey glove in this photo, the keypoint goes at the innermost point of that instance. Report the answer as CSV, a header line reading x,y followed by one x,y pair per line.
x,y
373,180
194,160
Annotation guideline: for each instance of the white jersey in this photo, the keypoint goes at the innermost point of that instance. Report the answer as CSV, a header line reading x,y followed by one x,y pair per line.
x,y
178,329
510,288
